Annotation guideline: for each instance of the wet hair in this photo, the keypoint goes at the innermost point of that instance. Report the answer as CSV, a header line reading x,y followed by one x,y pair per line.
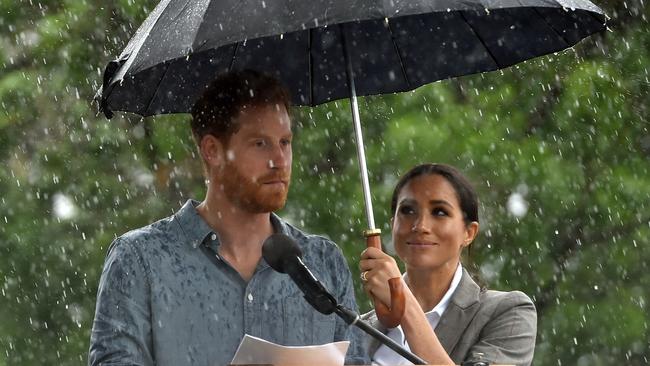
x,y
464,190
216,109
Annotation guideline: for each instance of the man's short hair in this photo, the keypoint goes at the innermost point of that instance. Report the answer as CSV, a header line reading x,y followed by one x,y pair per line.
x,y
214,112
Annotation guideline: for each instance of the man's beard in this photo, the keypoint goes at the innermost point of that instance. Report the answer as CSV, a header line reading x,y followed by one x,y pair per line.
x,y
252,196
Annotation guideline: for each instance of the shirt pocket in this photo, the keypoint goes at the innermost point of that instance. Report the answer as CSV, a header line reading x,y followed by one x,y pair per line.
x,y
304,325
324,327
298,320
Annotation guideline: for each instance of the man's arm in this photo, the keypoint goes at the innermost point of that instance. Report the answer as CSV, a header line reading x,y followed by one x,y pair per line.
x,y
509,337
121,333
357,354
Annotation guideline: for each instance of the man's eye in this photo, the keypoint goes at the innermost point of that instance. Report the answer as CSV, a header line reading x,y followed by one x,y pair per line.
x,y
260,143
285,142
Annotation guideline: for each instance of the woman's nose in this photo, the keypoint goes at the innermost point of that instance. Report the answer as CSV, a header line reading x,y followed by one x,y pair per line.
x,y
421,225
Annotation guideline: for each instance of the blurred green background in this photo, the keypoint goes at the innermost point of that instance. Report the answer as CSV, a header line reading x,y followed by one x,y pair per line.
x,y
558,148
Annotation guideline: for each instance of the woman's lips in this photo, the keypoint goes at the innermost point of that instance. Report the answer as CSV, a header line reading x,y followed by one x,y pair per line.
x,y
421,243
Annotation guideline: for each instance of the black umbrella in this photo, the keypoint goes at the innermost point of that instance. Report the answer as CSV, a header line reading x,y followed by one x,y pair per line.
x,y
327,50
394,45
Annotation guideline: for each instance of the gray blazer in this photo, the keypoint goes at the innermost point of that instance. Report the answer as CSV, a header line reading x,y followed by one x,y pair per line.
x,y
500,325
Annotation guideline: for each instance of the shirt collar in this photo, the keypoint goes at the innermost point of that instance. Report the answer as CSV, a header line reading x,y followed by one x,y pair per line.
x,y
192,224
433,315
442,305
196,229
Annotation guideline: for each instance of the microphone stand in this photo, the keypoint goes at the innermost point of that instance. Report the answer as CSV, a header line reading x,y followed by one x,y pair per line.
x,y
352,318
318,297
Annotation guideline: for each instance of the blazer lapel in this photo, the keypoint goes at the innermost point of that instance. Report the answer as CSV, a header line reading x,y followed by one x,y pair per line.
x,y
462,308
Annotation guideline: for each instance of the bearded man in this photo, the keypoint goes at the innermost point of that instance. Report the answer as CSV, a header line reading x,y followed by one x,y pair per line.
x,y
185,290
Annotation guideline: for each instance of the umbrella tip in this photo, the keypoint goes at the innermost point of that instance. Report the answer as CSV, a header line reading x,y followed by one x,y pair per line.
x,y
102,105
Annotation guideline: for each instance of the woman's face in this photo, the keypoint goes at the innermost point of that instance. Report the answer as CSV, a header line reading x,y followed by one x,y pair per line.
x,y
429,231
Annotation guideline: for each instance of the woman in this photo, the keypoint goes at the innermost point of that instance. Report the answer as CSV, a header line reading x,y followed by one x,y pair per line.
x,y
435,216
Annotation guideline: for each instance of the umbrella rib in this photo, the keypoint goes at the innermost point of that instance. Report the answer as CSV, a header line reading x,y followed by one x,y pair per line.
x,y
157,88
311,68
234,53
480,40
566,42
399,55
593,16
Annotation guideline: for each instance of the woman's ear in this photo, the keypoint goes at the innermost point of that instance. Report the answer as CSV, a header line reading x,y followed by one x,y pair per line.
x,y
470,233
212,151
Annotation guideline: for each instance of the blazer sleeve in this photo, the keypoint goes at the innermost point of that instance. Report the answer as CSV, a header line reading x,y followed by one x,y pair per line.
x,y
509,336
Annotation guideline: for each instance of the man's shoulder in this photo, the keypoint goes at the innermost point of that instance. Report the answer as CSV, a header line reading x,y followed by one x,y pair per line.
x,y
155,234
307,240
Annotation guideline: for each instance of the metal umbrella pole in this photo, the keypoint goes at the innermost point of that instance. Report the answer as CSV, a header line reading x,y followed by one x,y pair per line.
x,y
389,316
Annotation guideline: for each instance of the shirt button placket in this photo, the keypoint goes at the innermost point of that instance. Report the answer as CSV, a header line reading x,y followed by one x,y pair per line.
x,y
250,313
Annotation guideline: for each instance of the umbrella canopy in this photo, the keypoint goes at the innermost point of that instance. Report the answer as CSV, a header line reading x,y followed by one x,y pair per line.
x,y
392,45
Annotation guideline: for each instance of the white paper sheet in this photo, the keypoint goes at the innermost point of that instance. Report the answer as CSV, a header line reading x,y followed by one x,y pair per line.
x,y
255,351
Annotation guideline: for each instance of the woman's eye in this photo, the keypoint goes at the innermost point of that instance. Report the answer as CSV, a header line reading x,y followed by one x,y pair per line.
x,y
439,212
406,210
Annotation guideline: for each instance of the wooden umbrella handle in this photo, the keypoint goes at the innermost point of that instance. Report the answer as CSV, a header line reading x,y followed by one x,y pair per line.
x,y
391,316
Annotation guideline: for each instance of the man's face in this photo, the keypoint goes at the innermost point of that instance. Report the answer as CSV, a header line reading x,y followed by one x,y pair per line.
x,y
257,168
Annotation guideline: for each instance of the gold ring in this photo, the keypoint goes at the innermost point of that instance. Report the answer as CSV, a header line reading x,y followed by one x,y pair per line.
x,y
363,276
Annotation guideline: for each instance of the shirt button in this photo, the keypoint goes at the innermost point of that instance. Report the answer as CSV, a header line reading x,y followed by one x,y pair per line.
x,y
250,297
213,236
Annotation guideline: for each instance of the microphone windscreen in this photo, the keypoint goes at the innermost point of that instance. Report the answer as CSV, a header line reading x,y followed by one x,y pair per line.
x,y
279,249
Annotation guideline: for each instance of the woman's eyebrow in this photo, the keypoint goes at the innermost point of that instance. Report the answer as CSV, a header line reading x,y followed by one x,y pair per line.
x,y
440,202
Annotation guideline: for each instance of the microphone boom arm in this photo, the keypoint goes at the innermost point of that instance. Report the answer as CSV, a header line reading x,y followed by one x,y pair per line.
x,y
353,318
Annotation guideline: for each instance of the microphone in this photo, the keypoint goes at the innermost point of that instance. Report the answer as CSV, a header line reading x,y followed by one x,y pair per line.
x,y
284,255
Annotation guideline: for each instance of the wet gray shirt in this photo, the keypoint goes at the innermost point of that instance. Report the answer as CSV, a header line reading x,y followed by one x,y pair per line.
x,y
166,298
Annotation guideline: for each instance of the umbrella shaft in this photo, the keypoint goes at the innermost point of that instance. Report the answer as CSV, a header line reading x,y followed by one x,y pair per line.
x,y
361,155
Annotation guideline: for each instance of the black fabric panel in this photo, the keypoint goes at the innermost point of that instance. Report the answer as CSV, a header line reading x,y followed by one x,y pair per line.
x,y
573,26
186,79
375,61
330,81
514,35
285,57
440,46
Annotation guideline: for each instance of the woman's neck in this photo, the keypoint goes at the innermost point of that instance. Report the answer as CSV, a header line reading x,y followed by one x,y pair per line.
x,y
430,286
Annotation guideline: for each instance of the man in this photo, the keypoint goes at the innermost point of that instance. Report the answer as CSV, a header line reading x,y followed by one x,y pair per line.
x,y
185,290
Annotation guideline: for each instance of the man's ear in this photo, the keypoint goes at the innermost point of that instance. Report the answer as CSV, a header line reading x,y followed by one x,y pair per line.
x,y
212,151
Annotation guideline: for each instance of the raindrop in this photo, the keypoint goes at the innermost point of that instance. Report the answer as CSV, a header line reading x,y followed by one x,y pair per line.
x,y
63,207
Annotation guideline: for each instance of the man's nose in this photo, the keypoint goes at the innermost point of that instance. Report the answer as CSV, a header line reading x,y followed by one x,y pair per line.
x,y
280,158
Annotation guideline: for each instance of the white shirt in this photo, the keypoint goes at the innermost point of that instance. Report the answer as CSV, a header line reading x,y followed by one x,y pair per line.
x,y
386,356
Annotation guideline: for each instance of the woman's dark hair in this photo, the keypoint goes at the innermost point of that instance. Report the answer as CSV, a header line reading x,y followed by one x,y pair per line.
x,y
466,197
464,190
213,113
